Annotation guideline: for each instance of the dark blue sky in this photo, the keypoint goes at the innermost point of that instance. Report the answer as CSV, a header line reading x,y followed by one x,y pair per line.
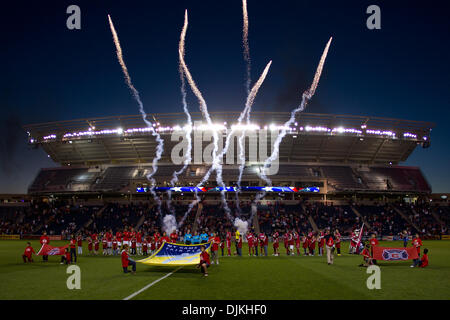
x,y
50,73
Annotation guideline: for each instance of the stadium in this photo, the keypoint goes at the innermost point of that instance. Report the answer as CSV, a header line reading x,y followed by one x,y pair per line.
x,y
295,196
334,171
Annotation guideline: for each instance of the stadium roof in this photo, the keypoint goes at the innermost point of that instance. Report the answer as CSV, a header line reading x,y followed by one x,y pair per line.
x,y
312,138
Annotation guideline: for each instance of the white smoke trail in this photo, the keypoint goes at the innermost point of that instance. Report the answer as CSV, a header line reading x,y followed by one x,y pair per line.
x,y
250,99
169,223
245,45
160,146
188,129
204,109
307,95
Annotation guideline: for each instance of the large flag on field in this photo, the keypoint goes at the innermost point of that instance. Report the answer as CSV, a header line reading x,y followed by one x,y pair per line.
x,y
172,254
359,244
48,250
394,254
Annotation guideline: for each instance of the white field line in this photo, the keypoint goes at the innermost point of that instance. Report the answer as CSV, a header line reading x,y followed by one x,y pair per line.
x,y
131,296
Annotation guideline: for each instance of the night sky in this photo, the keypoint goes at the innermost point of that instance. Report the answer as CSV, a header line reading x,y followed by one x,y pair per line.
x,y
51,73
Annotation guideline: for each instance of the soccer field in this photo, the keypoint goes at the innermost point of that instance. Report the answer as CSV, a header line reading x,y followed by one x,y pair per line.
x,y
236,278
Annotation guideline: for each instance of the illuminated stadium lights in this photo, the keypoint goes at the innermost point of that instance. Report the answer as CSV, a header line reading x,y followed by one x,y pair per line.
x,y
381,133
222,127
346,130
317,129
246,127
52,136
410,135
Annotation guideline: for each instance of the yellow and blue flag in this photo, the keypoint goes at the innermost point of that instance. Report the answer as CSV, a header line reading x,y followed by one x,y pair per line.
x,y
172,254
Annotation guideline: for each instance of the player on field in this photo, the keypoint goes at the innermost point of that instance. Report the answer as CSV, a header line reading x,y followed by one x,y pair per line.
x,y
196,238
89,240
28,253
104,245
312,244
228,239
285,241
297,241
373,242
368,260
263,243
276,243
423,262
329,246
337,241
204,237
126,261
249,237
96,245
305,244
44,240
320,242
133,246
144,247
115,246
174,236
222,247
80,244
215,248
73,251
204,261
417,243
109,236
188,237
139,242
239,246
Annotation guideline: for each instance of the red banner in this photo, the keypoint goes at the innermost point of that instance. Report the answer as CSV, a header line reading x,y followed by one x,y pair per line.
x,y
48,250
394,254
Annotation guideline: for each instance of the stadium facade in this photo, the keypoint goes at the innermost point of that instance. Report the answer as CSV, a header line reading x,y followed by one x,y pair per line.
x,y
336,154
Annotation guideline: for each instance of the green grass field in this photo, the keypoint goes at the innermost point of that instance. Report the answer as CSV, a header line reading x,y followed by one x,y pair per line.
x,y
240,278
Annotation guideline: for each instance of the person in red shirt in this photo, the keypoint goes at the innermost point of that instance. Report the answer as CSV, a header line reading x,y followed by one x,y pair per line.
x,y
174,236
320,242
145,248
115,246
222,247
27,254
104,245
89,240
165,238
329,246
44,240
424,261
152,245
366,256
204,261
263,243
215,248
373,243
228,238
312,244
249,237
276,243
73,251
285,240
239,246
96,245
417,243
337,241
65,258
119,238
297,241
139,242
126,261
133,246
80,244
305,245
109,237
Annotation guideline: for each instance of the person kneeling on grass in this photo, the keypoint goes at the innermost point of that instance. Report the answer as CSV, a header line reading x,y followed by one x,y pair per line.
x,y
368,260
204,261
27,254
65,258
127,261
422,262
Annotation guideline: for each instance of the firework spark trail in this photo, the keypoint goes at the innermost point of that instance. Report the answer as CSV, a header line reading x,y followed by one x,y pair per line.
x,y
307,95
204,109
160,146
188,129
250,99
245,45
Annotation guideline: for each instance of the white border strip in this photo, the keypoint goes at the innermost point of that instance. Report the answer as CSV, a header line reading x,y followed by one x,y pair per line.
x,y
131,296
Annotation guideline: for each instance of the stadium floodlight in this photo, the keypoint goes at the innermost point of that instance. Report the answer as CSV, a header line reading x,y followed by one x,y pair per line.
x,y
119,130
